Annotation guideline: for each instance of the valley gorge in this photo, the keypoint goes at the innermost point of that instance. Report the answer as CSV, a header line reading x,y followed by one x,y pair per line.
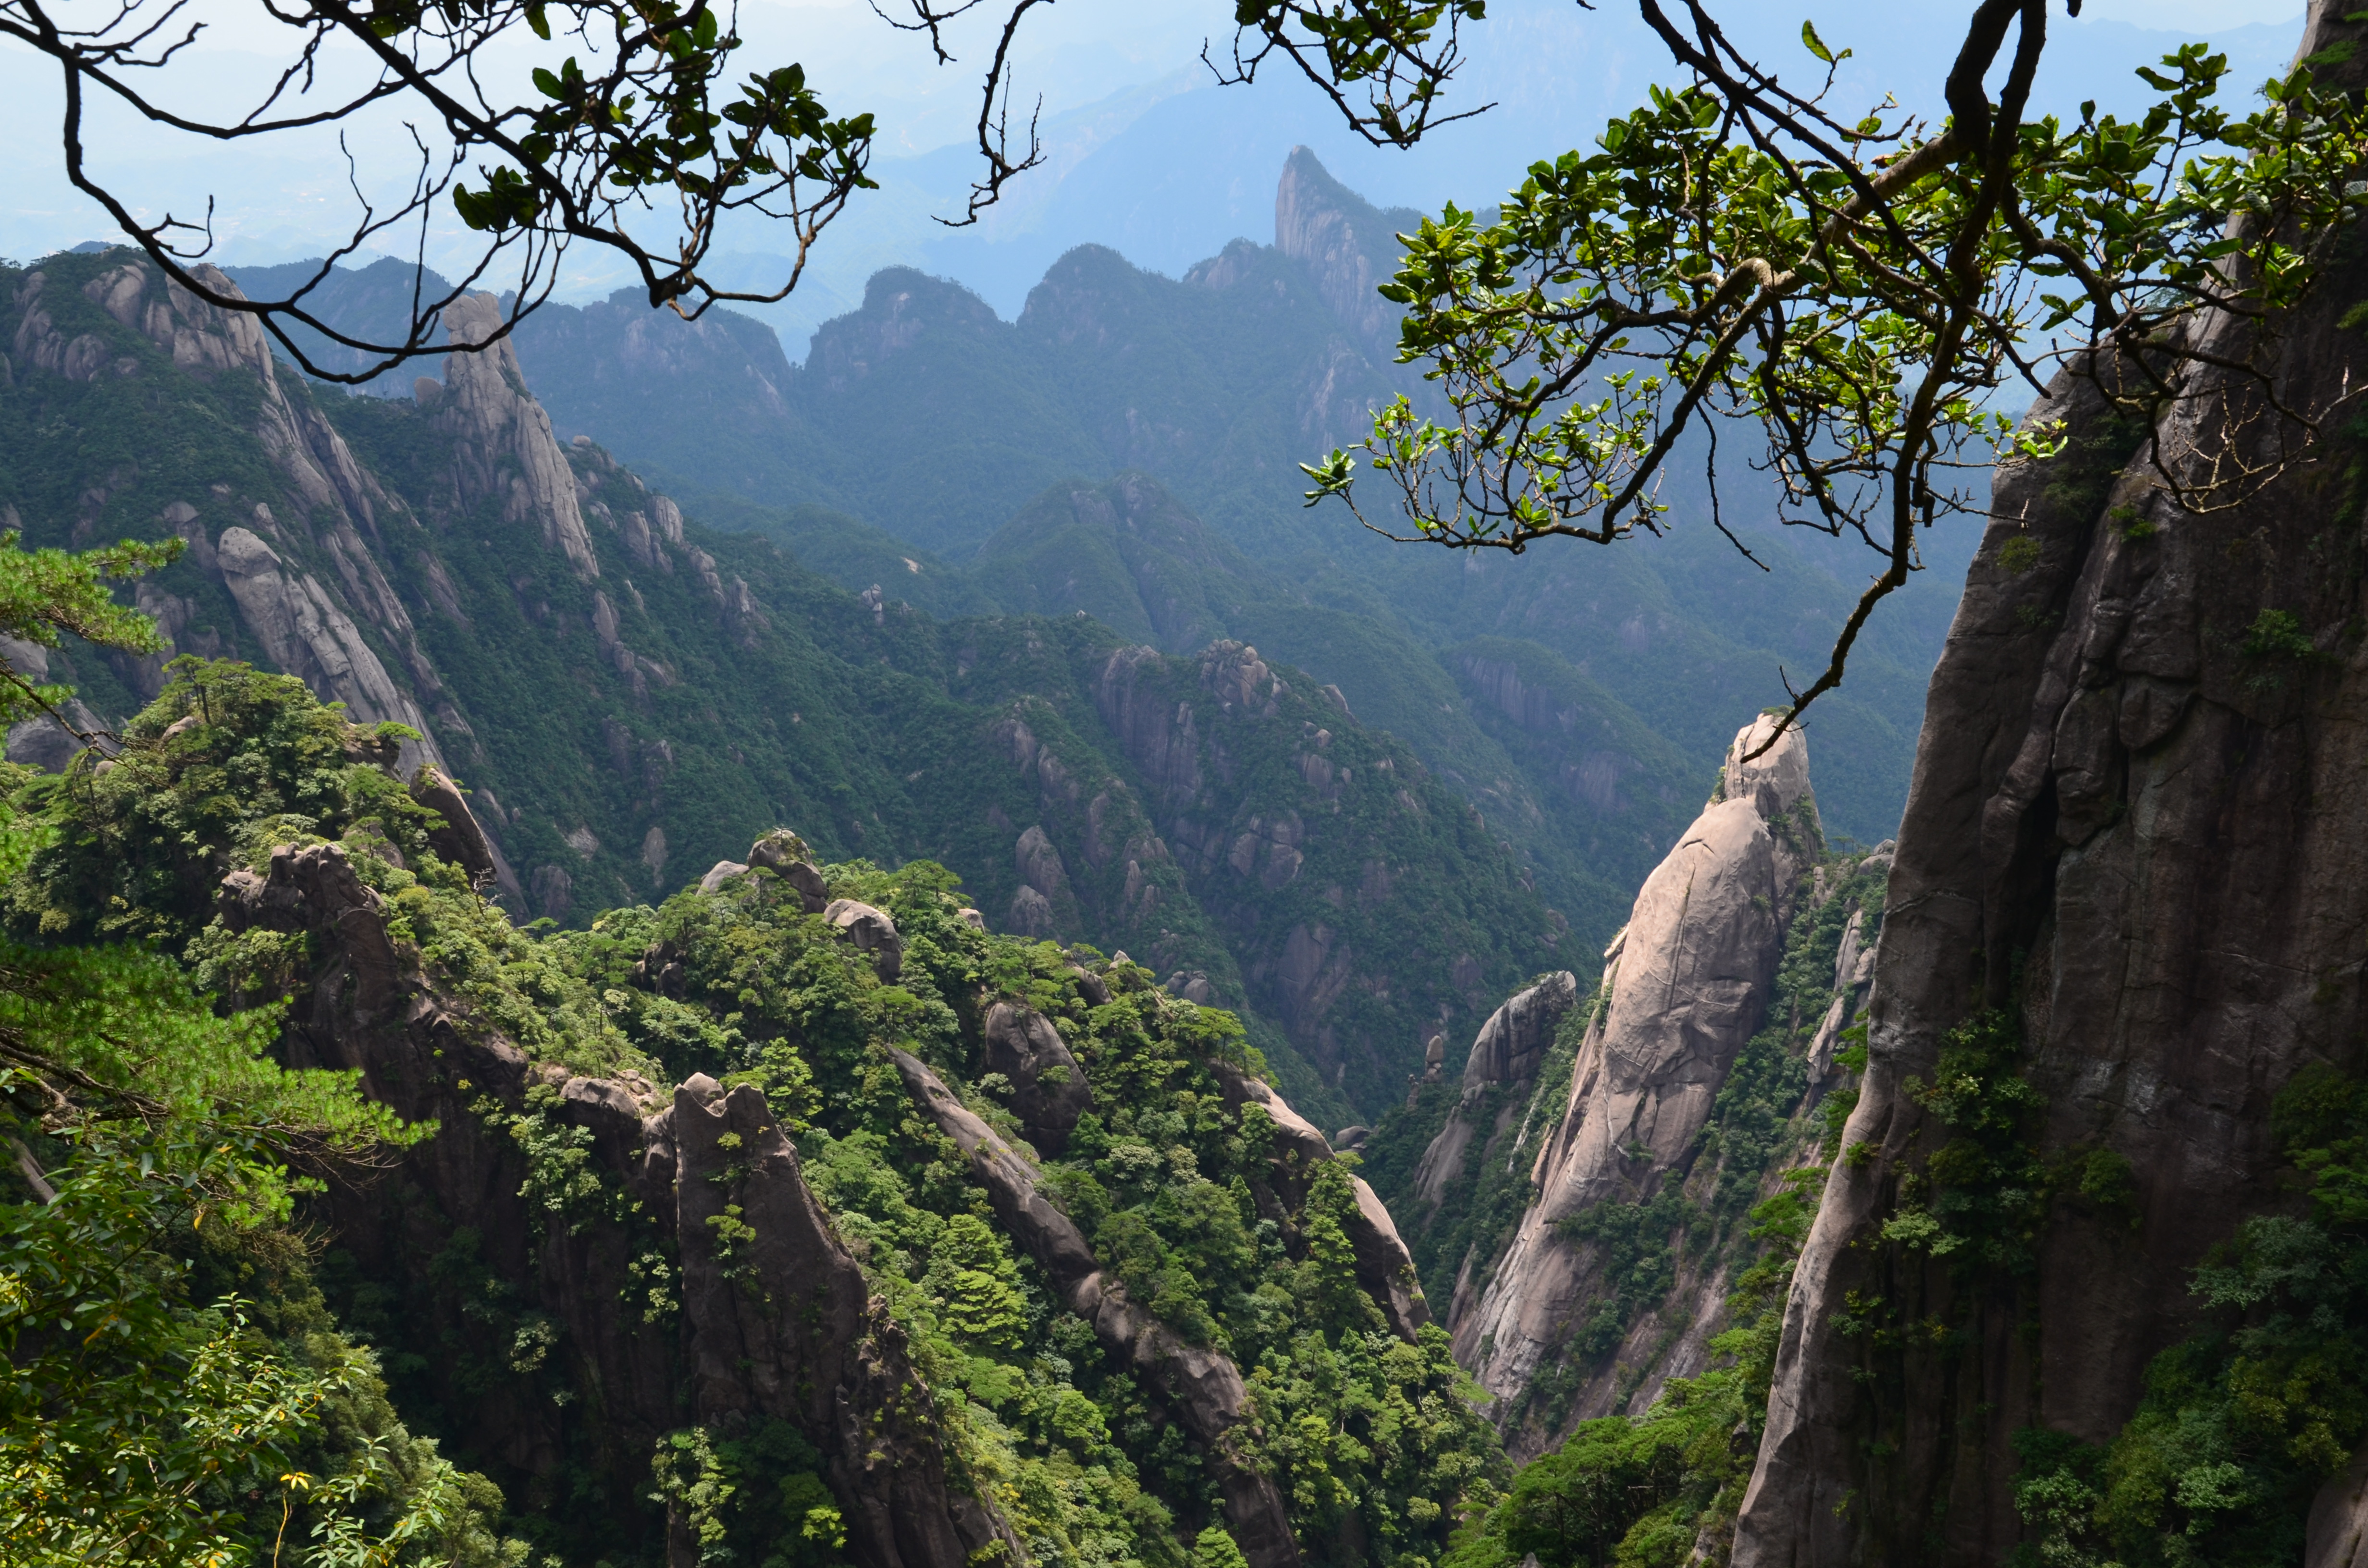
x,y
933,978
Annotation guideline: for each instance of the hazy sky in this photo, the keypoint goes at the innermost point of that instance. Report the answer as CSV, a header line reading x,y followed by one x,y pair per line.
x,y
1146,156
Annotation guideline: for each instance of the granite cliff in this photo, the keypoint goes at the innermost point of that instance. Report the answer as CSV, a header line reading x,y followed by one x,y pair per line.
x,y
1579,1198
2126,905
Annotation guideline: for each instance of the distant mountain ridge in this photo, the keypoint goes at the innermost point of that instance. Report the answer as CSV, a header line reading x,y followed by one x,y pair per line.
x,y
632,698
924,444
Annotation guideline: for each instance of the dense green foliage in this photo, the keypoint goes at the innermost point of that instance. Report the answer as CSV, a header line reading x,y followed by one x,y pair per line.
x,y
866,731
2242,1422
1374,1440
1179,1195
171,1388
1676,639
1228,374
1979,1198
144,838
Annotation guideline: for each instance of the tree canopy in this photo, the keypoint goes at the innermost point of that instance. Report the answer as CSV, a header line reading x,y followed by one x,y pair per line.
x,y
1862,293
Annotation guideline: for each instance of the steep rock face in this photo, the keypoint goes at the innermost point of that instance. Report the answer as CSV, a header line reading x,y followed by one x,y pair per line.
x,y
620,348
1684,988
206,337
1048,1088
1203,1386
2150,812
1347,245
1513,1041
314,617
1510,1047
463,840
1294,838
785,1331
786,1327
503,443
1853,970
310,637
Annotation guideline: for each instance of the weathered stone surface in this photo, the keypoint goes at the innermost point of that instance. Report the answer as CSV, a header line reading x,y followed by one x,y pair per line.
x,y
1509,1050
872,931
720,873
1517,1036
1348,247
462,840
1853,970
305,619
505,448
1685,987
1049,1090
1040,864
300,626
2337,1530
783,1328
786,855
2172,952
786,1327
1091,987
1385,1266
1203,1386
1030,913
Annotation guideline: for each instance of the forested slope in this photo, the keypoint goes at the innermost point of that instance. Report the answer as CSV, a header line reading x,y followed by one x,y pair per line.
x,y
633,699
816,1304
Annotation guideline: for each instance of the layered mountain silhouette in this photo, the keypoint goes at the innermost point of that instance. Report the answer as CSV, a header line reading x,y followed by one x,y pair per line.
x,y
928,447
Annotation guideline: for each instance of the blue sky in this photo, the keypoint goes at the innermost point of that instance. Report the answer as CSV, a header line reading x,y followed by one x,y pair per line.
x,y
1147,155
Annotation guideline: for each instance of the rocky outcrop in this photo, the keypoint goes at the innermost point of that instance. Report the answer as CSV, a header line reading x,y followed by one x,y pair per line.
x,y
1043,901
1348,246
1202,1385
1049,1090
307,595
324,479
872,931
1385,1266
307,635
772,1321
2134,827
1206,735
785,854
43,743
782,1323
2337,1532
1510,1047
1514,1042
462,840
1684,988
1854,973
505,448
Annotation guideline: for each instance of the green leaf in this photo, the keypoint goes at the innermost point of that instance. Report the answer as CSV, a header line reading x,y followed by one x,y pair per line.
x,y
1816,45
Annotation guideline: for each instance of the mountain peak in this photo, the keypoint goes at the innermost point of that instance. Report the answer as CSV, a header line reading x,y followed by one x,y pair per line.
x,y
1347,243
